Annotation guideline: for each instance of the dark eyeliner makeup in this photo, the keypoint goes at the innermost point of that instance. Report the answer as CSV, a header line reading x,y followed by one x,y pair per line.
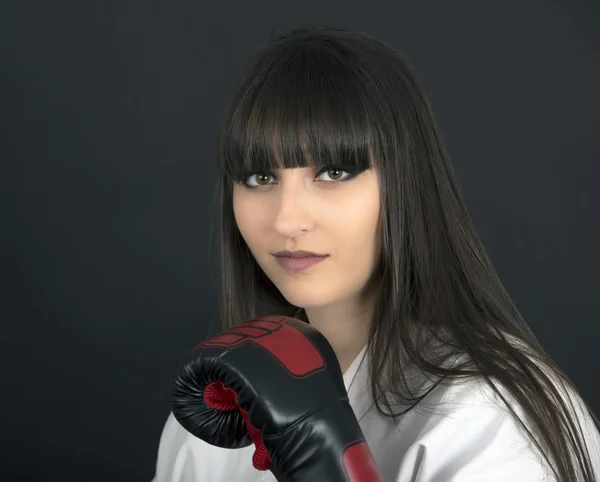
x,y
352,172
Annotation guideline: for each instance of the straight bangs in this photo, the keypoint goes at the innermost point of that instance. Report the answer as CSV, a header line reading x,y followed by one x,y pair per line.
x,y
298,106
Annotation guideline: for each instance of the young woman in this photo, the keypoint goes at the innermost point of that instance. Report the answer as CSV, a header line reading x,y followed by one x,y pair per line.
x,y
330,147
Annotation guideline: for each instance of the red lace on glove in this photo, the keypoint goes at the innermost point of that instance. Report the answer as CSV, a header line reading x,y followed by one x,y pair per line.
x,y
220,397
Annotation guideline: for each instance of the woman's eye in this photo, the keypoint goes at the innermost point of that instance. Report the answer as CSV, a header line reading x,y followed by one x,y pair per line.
x,y
261,179
335,174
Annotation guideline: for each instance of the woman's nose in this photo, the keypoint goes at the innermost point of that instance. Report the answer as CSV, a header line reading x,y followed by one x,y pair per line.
x,y
292,215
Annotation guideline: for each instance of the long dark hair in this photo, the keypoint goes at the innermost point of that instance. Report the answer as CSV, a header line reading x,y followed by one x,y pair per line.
x,y
325,96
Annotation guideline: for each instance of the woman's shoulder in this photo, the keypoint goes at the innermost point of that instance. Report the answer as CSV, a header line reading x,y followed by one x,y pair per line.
x,y
461,430
467,427
470,428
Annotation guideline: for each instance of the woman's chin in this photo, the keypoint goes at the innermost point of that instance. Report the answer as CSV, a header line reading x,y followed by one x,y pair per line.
x,y
304,301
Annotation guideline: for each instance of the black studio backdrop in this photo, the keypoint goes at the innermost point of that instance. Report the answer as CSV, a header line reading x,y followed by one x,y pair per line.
x,y
110,112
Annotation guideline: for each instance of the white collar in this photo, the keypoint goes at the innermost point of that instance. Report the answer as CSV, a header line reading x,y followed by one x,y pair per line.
x,y
352,370
356,380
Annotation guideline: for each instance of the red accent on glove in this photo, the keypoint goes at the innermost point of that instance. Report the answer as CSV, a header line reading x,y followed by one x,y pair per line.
x,y
288,346
358,462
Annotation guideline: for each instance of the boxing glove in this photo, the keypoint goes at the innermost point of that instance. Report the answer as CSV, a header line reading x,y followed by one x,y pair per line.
x,y
275,382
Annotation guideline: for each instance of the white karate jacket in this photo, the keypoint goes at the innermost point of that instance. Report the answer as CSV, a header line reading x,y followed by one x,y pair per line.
x,y
462,433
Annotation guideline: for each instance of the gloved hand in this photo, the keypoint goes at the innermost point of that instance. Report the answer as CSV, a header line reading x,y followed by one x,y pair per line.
x,y
274,381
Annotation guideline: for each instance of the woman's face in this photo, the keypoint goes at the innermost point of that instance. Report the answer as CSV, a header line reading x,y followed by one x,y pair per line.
x,y
329,212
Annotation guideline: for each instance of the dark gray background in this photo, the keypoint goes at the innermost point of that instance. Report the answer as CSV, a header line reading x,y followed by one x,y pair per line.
x,y
110,112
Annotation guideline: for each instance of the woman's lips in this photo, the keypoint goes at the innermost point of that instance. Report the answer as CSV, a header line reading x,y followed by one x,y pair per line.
x,y
298,264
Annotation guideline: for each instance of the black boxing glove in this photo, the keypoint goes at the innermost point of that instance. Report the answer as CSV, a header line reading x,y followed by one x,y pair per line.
x,y
274,381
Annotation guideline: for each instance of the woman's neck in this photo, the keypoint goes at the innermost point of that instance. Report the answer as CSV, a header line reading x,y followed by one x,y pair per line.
x,y
346,327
